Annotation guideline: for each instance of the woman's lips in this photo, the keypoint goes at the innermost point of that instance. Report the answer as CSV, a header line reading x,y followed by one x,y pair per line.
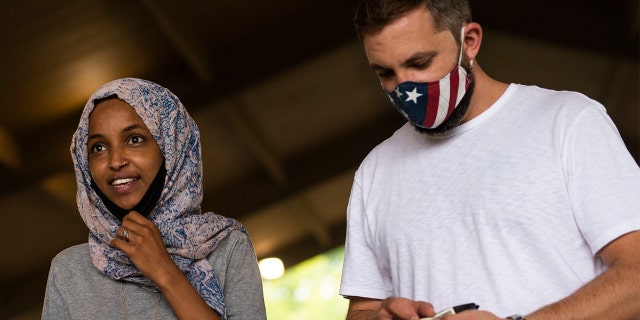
x,y
122,181
123,185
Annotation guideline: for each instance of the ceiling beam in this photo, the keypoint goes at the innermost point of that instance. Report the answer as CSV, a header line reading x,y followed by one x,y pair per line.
x,y
314,166
288,44
574,23
9,155
315,34
192,53
309,246
310,219
258,146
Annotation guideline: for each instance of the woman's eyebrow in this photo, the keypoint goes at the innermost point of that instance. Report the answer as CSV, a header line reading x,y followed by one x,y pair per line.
x,y
132,127
126,129
94,136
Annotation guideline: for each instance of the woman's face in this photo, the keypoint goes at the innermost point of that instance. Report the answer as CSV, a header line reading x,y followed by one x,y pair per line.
x,y
123,156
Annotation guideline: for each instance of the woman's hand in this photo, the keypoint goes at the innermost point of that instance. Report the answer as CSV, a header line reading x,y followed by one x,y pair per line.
x,y
145,248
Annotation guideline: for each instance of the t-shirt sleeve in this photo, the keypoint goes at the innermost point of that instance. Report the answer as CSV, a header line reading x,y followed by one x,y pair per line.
x,y
603,178
362,272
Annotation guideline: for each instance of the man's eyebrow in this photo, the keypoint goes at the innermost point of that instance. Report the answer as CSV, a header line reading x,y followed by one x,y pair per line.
x,y
377,67
412,60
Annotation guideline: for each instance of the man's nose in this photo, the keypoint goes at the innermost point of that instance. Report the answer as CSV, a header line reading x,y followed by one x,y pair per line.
x,y
404,76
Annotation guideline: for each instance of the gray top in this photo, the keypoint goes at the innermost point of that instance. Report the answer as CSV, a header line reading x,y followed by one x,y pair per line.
x,y
77,290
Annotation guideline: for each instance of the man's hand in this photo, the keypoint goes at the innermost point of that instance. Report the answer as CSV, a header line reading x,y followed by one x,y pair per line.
x,y
392,308
472,315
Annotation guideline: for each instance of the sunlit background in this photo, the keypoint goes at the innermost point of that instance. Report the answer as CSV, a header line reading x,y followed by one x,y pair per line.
x,y
308,290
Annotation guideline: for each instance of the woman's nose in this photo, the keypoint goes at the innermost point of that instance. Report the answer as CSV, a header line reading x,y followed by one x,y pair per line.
x,y
118,160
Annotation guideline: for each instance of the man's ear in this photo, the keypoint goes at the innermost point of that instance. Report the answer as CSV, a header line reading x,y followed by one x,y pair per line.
x,y
472,39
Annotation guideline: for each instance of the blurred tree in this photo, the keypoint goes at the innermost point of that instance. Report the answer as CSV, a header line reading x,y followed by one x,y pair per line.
x,y
308,290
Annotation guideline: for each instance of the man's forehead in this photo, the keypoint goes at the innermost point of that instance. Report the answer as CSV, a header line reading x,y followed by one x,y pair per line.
x,y
405,47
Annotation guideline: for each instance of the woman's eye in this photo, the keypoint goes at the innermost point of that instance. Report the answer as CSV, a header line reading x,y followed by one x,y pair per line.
x,y
136,139
97,148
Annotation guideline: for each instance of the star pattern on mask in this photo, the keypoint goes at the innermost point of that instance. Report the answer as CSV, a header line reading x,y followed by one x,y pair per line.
x,y
398,93
413,95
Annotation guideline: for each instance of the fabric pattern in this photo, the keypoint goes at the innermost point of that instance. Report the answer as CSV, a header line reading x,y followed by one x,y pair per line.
x,y
188,234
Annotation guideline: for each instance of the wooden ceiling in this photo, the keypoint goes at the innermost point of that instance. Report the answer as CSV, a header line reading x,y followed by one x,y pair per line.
x,y
281,91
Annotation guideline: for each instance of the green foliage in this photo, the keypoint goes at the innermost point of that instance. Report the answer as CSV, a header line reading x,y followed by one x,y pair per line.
x,y
308,290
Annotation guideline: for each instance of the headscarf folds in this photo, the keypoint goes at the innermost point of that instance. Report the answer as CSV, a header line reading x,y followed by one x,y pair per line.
x,y
189,235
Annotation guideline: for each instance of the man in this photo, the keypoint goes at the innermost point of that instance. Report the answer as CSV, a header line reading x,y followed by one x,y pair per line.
x,y
522,200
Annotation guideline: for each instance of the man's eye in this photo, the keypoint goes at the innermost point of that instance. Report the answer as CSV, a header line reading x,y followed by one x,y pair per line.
x,y
421,65
385,74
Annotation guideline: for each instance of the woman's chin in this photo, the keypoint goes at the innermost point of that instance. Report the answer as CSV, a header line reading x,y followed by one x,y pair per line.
x,y
126,203
126,206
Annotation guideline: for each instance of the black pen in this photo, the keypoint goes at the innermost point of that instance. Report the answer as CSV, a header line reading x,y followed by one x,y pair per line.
x,y
463,307
453,310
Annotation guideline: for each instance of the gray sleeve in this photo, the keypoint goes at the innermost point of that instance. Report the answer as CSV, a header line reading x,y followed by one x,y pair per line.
x,y
54,306
236,267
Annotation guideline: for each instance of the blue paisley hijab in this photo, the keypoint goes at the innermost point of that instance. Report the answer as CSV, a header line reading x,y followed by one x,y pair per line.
x,y
189,235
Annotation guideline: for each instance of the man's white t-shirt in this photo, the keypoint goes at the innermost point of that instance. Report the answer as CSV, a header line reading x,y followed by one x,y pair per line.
x,y
508,211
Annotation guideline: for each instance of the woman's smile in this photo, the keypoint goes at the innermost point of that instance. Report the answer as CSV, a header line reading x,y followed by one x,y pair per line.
x,y
124,185
124,158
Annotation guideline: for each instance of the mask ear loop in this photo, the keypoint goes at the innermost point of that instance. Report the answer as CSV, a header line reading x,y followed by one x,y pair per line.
x,y
461,43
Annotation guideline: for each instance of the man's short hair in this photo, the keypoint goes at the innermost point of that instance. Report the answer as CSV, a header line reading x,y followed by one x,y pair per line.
x,y
373,15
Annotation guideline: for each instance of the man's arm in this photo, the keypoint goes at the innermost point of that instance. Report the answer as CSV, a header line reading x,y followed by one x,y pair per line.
x,y
614,294
363,308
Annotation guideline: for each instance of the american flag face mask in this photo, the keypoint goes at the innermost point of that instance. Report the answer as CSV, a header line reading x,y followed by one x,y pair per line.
x,y
429,104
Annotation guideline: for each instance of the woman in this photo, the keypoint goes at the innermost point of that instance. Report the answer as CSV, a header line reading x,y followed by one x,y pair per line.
x,y
151,254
